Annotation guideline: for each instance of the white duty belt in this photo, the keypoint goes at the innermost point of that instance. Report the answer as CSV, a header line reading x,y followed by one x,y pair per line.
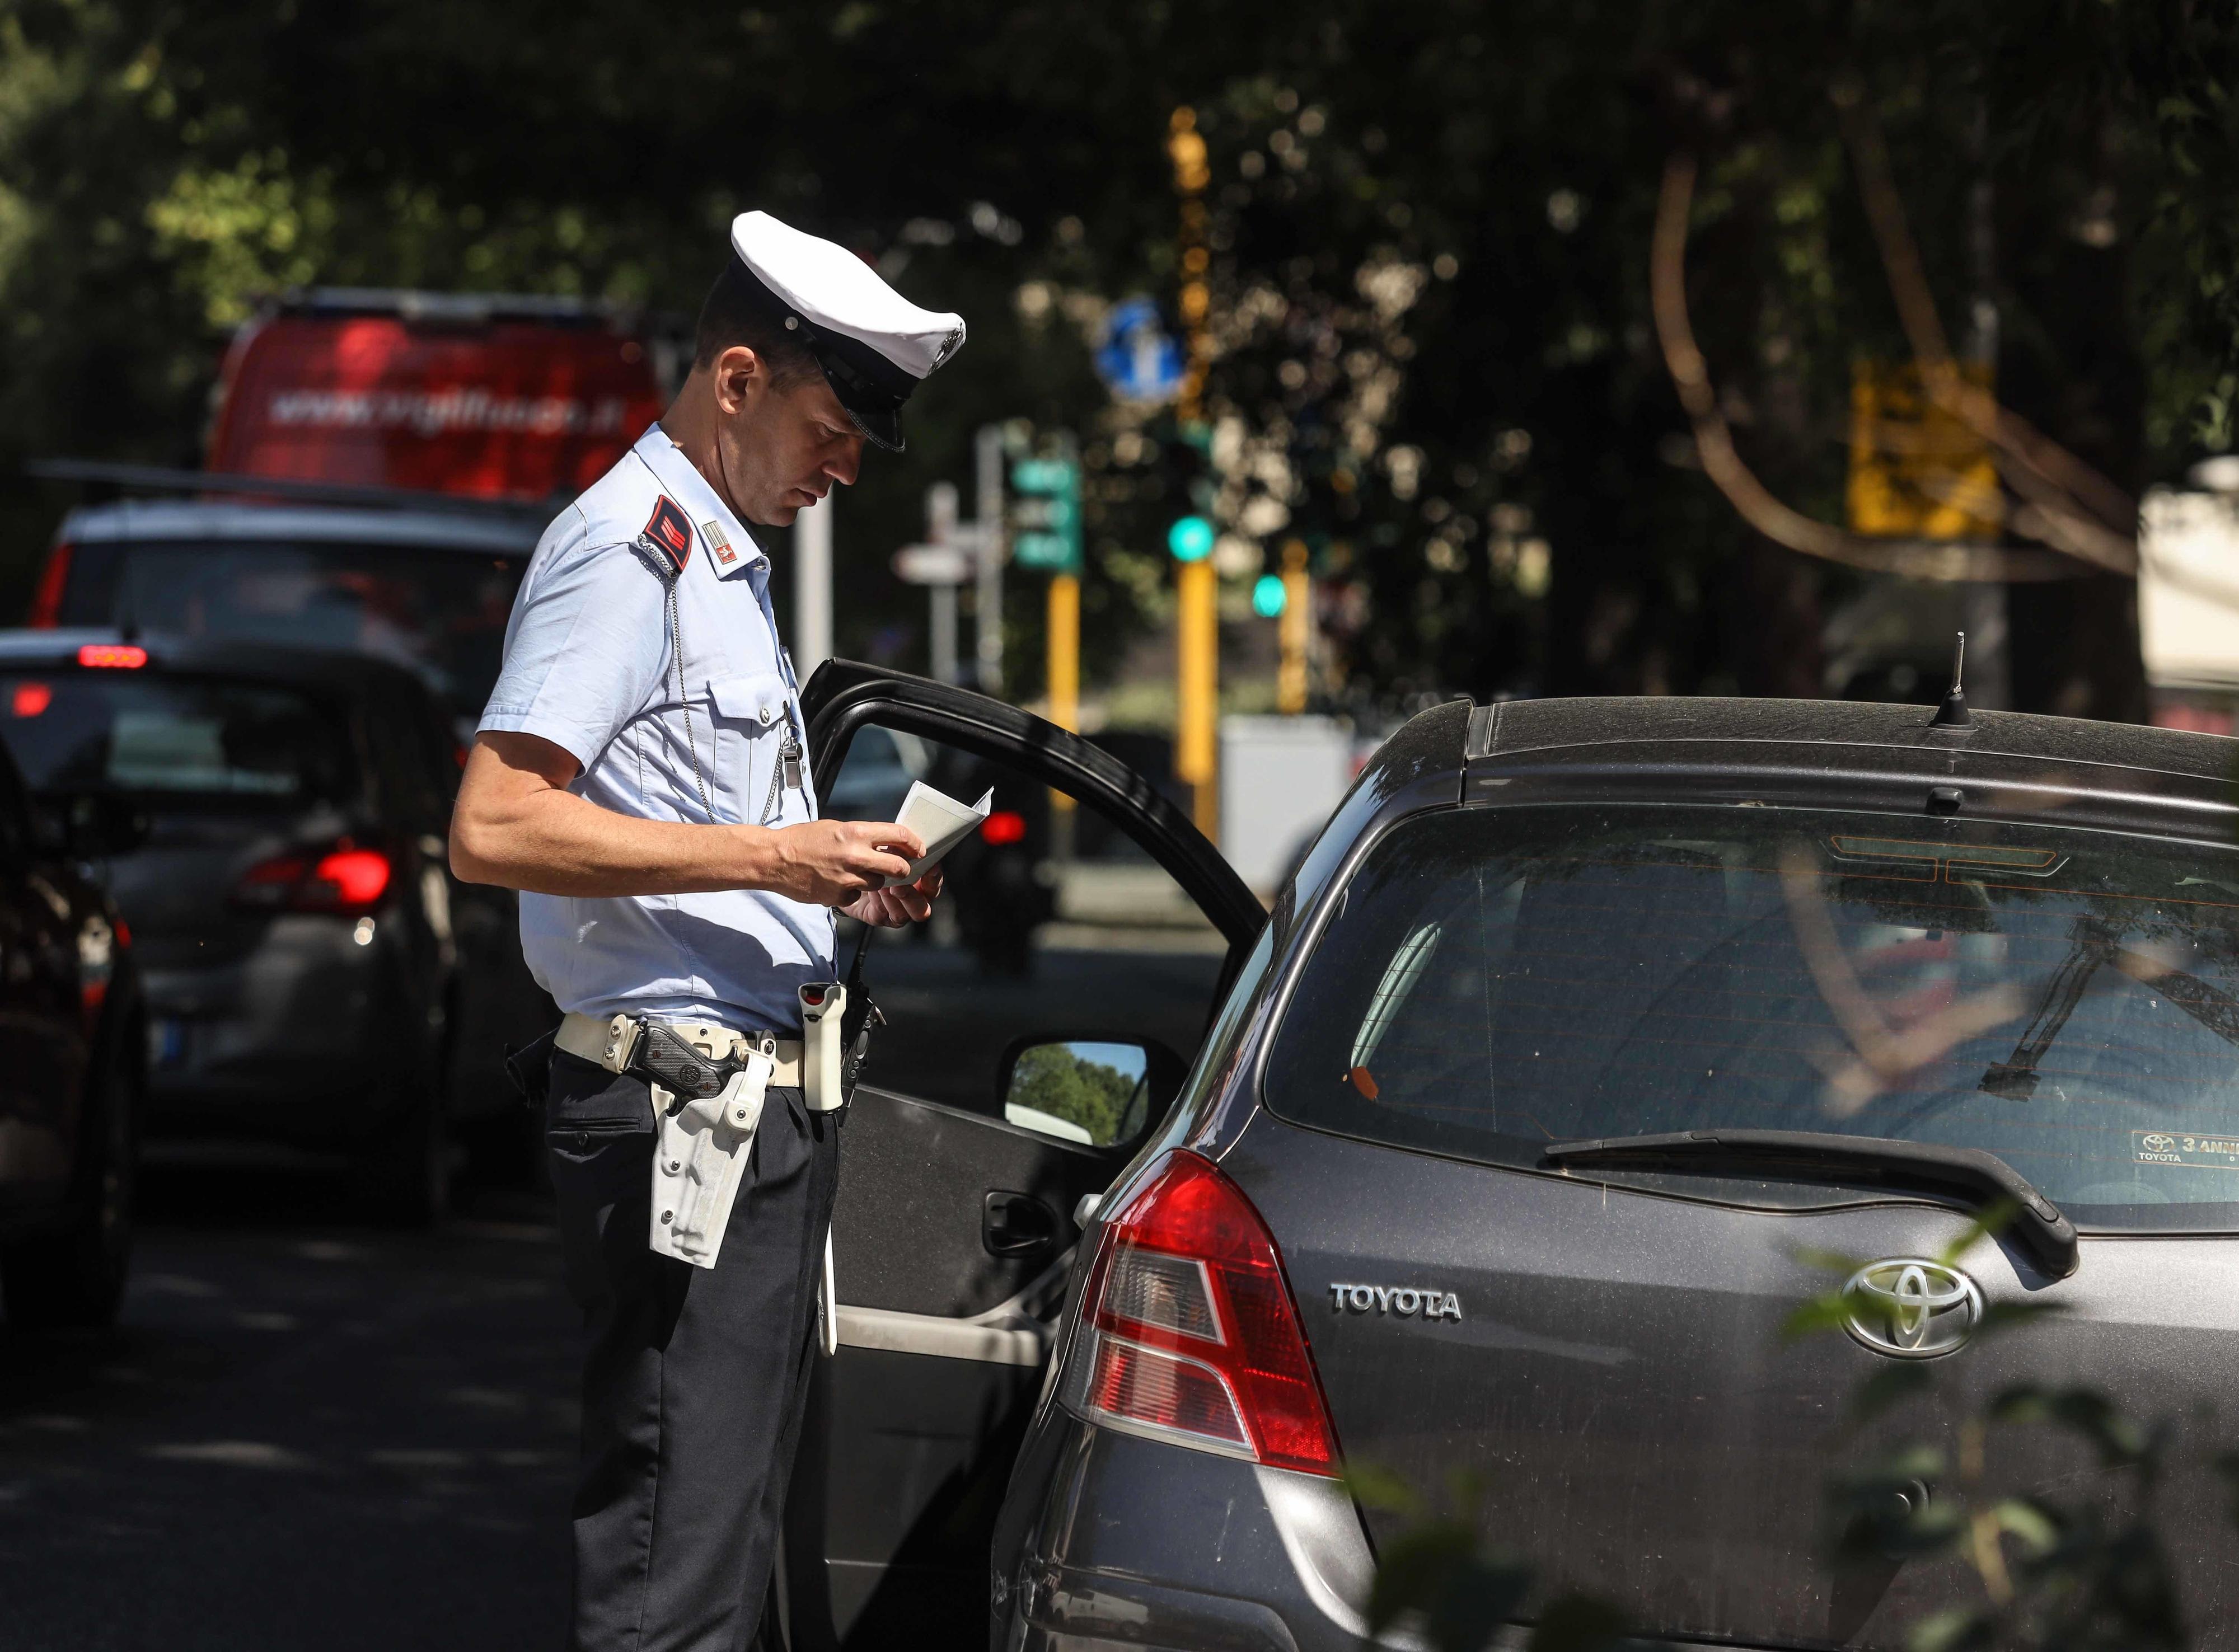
x,y
700,1143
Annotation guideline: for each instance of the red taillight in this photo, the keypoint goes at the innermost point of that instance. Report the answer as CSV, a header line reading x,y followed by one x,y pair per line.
x,y
1189,1330
30,699
346,880
1004,825
122,656
46,612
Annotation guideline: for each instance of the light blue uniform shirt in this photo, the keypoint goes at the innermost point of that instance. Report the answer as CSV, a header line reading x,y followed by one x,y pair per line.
x,y
588,666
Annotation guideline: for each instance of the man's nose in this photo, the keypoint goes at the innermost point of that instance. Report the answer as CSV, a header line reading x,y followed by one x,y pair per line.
x,y
843,466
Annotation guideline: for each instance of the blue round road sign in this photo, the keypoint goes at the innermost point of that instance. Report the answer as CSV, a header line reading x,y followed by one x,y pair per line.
x,y
1135,357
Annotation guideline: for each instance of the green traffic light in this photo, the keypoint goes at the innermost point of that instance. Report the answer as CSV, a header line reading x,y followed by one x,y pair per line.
x,y
1190,539
1268,596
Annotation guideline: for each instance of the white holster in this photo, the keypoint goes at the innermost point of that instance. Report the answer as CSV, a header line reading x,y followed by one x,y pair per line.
x,y
699,1155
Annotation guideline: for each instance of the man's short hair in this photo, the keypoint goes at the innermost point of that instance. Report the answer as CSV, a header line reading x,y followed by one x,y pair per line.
x,y
738,310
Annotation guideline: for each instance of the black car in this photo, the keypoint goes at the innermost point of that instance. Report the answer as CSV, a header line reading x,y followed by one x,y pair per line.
x,y
316,978
73,1063
1508,1142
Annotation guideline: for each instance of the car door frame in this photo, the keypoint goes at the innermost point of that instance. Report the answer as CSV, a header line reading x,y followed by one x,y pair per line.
x,y
845,695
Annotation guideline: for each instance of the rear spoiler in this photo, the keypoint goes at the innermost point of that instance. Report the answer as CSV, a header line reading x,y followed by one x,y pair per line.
x,y
158,479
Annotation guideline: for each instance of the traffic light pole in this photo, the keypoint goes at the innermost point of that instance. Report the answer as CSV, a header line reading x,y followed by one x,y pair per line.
x,y
1198,686
1197,589
940,530
1293,629
1065,650
987,458
812,587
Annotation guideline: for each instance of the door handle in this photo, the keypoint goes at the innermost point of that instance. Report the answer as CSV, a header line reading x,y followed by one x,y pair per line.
x,y
1016,1224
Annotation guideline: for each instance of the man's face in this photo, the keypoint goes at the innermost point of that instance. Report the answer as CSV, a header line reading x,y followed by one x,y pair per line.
x,y
782,448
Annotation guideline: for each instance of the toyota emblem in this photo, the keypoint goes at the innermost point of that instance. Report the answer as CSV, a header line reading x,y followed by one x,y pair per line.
x,y
1909,1308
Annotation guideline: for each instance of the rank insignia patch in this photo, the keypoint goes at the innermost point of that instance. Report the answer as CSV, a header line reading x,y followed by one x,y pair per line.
x,y
669,532
719,542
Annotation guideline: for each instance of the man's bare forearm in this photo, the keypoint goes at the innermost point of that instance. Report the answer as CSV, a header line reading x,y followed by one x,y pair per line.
x,y
516,823
554,843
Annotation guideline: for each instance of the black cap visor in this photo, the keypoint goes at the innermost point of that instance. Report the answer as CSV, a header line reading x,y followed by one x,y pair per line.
x,y
870,387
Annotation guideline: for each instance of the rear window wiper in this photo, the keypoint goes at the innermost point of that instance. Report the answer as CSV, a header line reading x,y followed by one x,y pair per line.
x,y
1980,1178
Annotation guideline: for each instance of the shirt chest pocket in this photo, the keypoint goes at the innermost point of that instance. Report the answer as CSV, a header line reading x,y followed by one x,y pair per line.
x,y
754,735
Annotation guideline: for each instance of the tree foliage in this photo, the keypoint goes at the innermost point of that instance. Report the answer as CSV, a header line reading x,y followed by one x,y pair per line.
x,y
1433,361
1051,1079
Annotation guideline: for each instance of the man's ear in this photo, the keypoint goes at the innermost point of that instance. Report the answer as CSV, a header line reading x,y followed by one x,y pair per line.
x,y
738,370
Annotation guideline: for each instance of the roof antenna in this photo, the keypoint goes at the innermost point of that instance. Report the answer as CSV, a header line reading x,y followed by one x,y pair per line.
x,y
1953,713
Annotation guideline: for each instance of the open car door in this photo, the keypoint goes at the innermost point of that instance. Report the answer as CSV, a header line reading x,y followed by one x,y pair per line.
x,y
1037,1030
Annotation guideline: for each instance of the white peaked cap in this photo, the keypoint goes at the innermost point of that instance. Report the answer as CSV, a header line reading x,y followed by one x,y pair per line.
x,y
836,291
872,343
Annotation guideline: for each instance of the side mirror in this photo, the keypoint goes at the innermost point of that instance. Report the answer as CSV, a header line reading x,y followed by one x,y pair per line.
x,y
89,826
1093,1091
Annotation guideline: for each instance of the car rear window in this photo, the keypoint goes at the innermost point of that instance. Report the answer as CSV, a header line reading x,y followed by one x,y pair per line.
x,y
1496,979
172,737
441,611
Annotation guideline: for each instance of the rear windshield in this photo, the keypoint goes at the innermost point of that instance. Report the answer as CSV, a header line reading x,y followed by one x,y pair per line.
x,y
171,738
1495,980
442,613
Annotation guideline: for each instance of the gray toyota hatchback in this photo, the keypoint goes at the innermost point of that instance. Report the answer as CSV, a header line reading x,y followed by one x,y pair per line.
x,y
1583,1029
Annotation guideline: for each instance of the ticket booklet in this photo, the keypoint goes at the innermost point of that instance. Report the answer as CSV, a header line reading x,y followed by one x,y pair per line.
x,y
941,821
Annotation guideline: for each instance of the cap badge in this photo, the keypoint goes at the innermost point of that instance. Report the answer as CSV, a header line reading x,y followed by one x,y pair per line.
x,y
669,532
719,542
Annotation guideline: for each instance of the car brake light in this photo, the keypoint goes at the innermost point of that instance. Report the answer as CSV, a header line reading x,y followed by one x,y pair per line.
x,y
46,610
1004,825
346,880
30,699
1189,1332
125,656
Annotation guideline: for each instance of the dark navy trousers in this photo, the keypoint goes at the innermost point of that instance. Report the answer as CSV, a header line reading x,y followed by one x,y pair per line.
x,y
694,1379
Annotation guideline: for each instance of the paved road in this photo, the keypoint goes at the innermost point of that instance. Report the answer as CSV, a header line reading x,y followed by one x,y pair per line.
x,y
302,1435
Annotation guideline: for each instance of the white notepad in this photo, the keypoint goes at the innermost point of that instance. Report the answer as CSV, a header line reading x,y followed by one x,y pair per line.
x,y
941,821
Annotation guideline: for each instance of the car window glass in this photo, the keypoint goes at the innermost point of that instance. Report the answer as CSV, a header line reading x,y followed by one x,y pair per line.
x,y
1495,980
249,744
441,611
1054,926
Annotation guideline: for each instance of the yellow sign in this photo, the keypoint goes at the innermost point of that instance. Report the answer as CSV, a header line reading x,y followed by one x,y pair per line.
x,y
1917,471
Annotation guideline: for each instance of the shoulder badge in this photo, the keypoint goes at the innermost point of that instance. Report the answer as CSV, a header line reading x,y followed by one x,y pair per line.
x,y
669,533
718,542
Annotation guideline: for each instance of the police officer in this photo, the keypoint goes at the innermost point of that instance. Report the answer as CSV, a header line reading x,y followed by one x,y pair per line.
x,y
640,776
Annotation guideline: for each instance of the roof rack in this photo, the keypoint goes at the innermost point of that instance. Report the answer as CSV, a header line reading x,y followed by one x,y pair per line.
x,y
159,479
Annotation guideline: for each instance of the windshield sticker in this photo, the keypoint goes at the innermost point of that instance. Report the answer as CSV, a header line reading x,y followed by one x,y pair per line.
x,y
1943,861
2172,1147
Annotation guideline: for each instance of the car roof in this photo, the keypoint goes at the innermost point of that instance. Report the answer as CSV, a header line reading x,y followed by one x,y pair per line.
x,y
480,533
1513,728
365,676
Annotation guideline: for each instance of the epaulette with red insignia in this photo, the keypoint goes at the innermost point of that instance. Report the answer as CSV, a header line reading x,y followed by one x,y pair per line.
x,y
668,534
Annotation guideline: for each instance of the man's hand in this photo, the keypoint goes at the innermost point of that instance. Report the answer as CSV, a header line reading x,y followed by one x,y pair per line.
x,y
896,908
831,862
